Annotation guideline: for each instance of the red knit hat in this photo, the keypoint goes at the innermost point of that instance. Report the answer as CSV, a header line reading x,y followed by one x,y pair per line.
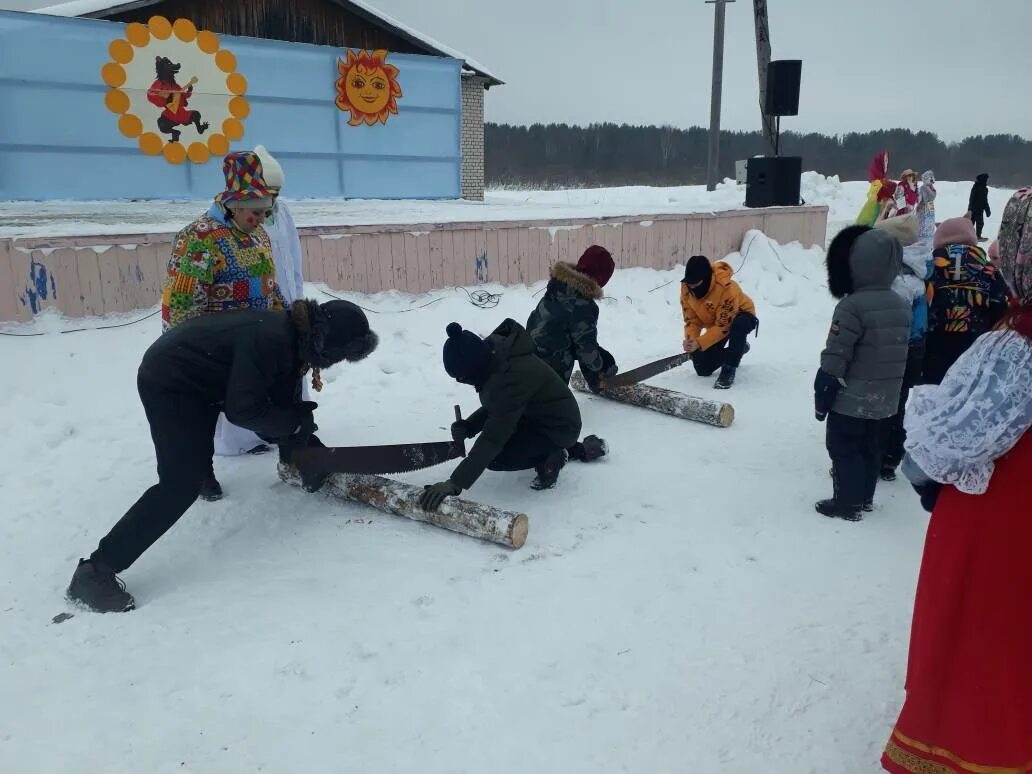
x,y
598,264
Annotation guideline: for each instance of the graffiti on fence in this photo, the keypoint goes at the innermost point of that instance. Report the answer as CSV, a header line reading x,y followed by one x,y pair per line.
x,y
40,287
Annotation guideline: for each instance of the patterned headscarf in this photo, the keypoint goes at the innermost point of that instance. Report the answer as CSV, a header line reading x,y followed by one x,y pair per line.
x,y
244,179
1016,244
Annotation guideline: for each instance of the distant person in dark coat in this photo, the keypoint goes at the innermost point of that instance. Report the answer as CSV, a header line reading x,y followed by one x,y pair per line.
x,y
978,203
249,365
862,367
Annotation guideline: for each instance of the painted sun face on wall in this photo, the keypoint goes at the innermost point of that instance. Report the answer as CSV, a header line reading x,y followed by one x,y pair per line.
x,y
175,90
368,87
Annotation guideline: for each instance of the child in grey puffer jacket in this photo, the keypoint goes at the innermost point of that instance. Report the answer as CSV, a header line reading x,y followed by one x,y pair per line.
x,y
858,384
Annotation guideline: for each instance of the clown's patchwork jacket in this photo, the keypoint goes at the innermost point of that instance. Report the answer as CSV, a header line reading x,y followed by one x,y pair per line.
x,y
215,267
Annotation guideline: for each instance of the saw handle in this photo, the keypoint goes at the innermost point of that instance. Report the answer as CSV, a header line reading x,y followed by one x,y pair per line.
x,y
458,418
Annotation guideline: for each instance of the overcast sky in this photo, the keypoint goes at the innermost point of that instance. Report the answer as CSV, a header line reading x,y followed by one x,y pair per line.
x,y
954,67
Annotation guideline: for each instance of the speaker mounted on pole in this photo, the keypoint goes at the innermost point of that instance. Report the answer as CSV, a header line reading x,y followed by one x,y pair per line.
x,y
783,80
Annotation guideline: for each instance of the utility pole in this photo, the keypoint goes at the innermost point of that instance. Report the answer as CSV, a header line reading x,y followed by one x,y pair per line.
x,y
713,166
762,61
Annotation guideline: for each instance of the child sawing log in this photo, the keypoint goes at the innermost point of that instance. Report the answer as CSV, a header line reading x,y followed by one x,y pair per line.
x,y
676,404
474,519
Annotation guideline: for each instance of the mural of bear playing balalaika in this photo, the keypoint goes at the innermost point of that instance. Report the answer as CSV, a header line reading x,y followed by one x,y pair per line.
x,y
173,100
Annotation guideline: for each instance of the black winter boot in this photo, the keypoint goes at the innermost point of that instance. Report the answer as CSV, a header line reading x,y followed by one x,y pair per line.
x,y
887,473
211,489
836,510
548,471
95,585
725,379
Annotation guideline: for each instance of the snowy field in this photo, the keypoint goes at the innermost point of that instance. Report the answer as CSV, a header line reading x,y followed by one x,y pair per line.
x,y
59,218
678,607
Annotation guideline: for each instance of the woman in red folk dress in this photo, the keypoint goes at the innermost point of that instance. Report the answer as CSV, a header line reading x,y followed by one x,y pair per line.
x,y
969,676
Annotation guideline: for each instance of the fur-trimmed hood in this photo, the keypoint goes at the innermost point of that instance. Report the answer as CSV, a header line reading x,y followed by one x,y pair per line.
x,y
577,281
862,258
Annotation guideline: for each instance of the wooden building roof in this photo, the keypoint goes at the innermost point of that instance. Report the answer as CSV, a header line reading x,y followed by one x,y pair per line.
x,y
338,23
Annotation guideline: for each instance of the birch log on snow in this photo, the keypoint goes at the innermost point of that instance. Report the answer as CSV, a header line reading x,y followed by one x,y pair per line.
x,y
675,404
484,522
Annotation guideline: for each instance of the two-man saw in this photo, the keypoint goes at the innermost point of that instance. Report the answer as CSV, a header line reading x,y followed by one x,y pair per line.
x,y
393,458
647,371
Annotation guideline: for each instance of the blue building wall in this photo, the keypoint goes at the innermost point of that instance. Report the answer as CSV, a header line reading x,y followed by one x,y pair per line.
x,y
59,141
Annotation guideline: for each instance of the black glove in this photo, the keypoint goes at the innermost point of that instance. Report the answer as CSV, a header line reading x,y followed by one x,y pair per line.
x,y
434,495
609,367
825,388
460,431
305,427
594,381
313,482
988,214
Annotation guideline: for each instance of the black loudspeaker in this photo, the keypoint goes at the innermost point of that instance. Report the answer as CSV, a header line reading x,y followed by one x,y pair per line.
x,y
783,78
773,181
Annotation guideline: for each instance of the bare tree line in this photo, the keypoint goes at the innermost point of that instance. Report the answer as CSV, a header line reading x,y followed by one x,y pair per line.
x,y
560,155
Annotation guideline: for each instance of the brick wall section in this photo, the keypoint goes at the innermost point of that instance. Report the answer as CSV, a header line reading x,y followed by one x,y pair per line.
x,y
472,137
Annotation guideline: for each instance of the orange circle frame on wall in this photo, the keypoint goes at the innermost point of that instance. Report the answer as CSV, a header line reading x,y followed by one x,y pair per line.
x,y
168,107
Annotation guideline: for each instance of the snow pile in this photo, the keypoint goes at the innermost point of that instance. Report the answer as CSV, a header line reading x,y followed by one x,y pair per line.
x,y
60,218
678,606
777,276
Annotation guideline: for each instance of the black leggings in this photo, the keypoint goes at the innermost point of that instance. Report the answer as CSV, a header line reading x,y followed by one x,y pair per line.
x,y
182,429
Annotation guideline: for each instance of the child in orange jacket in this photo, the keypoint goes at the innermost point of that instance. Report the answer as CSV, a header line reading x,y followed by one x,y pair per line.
x,y
718,316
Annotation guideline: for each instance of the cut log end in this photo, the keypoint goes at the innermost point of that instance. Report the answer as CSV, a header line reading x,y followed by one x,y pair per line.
x,y
727,415
518,530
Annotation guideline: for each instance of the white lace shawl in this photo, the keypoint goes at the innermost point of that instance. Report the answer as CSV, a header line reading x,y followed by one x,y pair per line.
x,y
956,430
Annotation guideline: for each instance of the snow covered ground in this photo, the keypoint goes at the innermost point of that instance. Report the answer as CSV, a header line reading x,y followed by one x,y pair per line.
x,y
59,218
678,607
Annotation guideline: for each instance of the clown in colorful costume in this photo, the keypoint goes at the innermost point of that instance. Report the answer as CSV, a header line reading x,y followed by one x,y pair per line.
x,y
222,262
231,440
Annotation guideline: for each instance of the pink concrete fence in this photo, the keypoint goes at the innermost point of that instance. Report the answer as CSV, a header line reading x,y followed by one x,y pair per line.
x,y
87,276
